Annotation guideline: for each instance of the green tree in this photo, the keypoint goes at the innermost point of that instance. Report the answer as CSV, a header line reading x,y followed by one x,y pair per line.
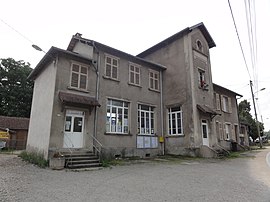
x,y
15,89
246,117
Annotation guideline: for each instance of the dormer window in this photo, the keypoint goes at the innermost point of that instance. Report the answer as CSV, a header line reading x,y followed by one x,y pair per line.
x,y
199,45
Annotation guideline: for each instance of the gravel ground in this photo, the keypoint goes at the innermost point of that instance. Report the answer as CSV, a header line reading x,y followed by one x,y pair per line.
x,y
194,180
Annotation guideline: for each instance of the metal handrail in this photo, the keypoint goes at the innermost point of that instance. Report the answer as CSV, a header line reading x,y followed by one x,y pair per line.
x,y
100,145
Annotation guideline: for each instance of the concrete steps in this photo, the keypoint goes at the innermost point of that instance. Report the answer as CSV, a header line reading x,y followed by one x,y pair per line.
x,y
79,160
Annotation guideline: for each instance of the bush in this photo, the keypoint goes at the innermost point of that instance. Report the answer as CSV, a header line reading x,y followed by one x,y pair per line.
x,y
34,158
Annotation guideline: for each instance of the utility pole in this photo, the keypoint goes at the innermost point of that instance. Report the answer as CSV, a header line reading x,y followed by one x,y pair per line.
x,y
257,123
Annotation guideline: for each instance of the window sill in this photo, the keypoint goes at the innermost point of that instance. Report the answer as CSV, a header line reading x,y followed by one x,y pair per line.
x,y
135,85
118,134
150,135
172,136
78,89
204,89
154,90
109,78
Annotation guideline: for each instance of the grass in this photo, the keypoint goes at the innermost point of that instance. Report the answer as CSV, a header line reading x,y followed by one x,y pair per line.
x,y
7,151
34,158
234,155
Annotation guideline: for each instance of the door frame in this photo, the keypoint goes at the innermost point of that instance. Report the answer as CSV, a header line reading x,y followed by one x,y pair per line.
x,y
78,141
204,123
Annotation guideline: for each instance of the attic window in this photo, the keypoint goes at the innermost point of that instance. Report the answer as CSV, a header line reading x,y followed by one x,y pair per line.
x,y
199,45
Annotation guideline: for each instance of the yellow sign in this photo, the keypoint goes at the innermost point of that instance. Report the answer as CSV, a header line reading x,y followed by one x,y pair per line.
x,y
4,135
161,139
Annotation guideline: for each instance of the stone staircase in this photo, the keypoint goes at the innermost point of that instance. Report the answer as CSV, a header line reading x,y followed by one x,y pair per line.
x,y
81,160
221,153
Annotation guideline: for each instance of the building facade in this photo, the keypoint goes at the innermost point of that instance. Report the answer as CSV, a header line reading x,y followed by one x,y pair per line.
x,y
94,97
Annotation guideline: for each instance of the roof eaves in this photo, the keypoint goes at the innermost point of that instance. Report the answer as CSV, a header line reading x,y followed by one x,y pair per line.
x,y
164,43
205,32
178,35
50,55
218,86
112,51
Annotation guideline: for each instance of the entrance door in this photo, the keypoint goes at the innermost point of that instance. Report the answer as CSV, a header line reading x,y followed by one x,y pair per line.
x,y
205,137
74,124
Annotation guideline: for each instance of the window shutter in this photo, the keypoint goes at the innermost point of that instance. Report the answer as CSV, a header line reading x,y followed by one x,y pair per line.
x,y
217,101
221,131
222,102
230,104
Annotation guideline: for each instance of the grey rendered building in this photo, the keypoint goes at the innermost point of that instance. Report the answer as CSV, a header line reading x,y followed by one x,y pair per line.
x,y
94,97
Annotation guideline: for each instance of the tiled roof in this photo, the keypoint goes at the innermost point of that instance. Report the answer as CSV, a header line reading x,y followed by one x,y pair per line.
x,y
14,123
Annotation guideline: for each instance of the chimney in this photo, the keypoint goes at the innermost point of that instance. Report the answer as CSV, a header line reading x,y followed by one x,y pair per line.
x,y
78,35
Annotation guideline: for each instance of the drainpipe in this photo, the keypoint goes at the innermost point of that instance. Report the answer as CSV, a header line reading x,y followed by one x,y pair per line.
x,y
161,111
96,66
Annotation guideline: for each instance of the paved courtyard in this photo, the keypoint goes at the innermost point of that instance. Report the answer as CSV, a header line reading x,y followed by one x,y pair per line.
x,y
240,179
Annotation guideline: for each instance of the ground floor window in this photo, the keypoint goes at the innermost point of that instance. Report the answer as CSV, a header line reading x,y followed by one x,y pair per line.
x,y
227,127
145,120
175,121
117,116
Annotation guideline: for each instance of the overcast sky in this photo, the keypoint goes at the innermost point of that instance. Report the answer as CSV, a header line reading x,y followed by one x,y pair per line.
x,y
133,26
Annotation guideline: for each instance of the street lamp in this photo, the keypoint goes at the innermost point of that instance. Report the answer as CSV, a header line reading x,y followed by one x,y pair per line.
x,y
257,123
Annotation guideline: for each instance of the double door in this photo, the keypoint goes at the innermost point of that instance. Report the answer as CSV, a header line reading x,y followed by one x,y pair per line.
x,y
74,126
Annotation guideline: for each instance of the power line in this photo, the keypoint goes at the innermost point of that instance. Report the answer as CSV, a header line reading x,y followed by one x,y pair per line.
x,y
239,39
17,31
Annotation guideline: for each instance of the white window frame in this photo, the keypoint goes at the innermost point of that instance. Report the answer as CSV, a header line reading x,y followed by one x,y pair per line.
x,y
227,131
80,74
170,121
136,72
142,120
121,119
154,79
111,66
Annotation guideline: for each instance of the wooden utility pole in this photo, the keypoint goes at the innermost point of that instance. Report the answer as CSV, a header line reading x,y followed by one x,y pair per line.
x,y
257,123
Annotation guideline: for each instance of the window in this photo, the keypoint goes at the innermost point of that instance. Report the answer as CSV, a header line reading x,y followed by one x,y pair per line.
x,y
202,82
134,74
117,117
199,45
227,127
175,121
217,101
111,67
226,104
78,76
145,120
153,80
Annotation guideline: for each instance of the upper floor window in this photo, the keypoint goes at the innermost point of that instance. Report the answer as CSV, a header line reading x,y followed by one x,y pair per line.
x,y
111,67
154,80
79,74
117,117
199,45
145,120
202,80
226,104
134,74
175,121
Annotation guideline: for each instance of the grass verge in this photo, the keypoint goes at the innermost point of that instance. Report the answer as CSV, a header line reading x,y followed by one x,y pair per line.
x,y
34,158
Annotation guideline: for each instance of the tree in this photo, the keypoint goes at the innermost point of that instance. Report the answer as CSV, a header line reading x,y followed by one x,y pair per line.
x,y
15,89
246,117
